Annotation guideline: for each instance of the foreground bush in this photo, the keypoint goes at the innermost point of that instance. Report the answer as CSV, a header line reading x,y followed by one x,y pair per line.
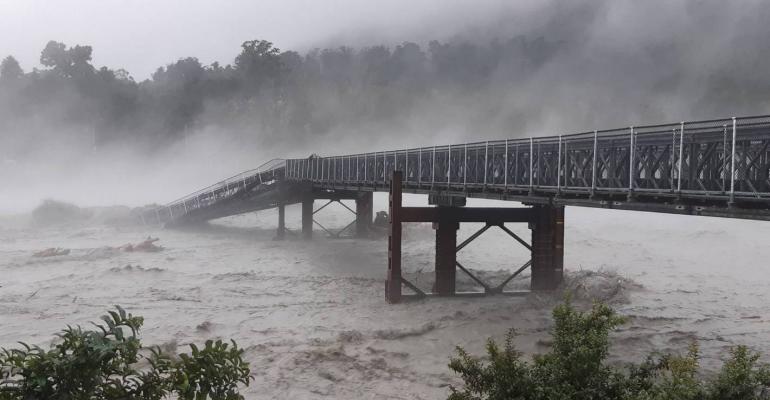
x,y
576,368
110,363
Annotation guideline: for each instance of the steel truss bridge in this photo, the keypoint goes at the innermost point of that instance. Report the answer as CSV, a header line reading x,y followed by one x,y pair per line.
x,y
718,167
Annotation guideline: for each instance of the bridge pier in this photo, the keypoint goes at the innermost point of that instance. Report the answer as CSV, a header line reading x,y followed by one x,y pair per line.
x,y
280,233
364,213
307,217
546,247
446,257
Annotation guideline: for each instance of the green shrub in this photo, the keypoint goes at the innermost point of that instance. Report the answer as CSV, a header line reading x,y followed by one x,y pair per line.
x,y
576,368
110,363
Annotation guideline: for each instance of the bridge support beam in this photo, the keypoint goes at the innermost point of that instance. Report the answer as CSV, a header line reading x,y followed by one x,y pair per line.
x,y
364,213
446,257
394,279
307,217
546,247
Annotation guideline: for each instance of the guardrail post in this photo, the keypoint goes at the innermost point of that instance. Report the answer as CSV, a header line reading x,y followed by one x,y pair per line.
x,y
505,162
593,164
724,158
631,162
681,159
558,168
433,168
406,164
419,168
465,166
531,162
486,162
516,165
449,168
732,165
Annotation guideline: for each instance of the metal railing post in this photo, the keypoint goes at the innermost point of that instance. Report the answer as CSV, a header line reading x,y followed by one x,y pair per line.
x,y
465,166
449,167
732,165
631,155
681,156
419,167
516,166
593,164
505,160
724,158
673,148
433,168
486,161
558,168
531,161
406,165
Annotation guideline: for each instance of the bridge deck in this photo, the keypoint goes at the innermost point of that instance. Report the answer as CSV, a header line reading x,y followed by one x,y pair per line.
x,y
716,167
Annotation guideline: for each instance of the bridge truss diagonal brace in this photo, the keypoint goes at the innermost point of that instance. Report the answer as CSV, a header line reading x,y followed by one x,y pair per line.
x,y
545,221
363,215
501,287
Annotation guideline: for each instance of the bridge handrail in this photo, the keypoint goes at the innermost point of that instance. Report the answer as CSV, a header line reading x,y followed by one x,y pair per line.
x,y
235,182
668,171
264,167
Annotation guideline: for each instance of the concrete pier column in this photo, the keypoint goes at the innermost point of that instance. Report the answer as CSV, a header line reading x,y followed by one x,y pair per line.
x,y
446,255
307,218
281,231
364,213
547,247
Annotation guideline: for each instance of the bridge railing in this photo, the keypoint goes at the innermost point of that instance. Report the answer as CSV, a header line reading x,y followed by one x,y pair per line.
x,y
265,173
721,159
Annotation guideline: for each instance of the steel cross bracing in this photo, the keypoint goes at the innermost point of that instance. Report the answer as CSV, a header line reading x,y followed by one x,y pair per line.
x,y
716,167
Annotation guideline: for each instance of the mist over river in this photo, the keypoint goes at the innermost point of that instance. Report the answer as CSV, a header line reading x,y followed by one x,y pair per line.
x,y
312,315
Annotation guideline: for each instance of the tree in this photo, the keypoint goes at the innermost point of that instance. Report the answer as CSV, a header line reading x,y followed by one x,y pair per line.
x,y
258,64
72,63
10,70
104,363
576,368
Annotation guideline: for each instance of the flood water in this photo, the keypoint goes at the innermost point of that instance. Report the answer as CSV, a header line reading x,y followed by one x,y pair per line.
x,y
312,315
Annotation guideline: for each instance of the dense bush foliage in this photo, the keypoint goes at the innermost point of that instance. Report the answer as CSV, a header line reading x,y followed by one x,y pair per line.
x,y
576,368
110,363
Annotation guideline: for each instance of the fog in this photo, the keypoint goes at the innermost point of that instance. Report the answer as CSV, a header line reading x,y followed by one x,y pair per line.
x,y
447,72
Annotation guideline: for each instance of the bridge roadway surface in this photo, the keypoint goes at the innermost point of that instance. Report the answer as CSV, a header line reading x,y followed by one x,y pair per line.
x,y
716,168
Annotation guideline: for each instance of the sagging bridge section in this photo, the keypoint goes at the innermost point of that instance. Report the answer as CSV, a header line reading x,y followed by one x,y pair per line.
x,y
717,167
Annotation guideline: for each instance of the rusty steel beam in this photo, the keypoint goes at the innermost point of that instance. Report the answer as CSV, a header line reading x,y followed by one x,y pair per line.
x,y
491,215
394,278
446,257
547,248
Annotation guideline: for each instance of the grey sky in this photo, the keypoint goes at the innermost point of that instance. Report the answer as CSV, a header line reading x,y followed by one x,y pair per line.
x,y
141,35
